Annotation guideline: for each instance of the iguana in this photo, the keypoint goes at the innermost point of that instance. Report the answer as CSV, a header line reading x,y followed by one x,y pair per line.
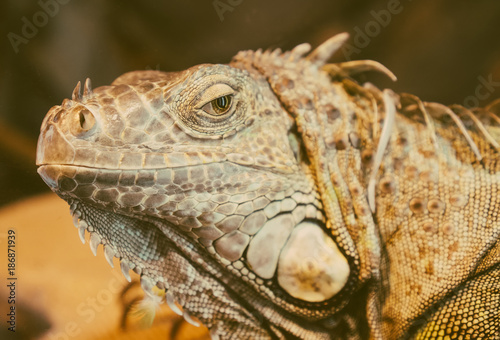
x,y
275,197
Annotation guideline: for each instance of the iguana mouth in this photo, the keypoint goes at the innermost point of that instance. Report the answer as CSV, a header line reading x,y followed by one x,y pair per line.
x,y
317,275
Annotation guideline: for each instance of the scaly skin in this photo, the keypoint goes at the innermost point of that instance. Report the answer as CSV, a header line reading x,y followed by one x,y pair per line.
x,y
274,197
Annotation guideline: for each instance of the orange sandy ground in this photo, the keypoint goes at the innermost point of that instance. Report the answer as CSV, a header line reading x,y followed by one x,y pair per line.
x,y
62,290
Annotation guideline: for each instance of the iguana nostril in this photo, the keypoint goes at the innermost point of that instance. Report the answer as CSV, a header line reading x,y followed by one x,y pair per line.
x,y
82,122
87,120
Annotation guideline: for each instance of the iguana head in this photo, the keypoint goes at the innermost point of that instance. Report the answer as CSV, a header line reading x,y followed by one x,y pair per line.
x,y
199,181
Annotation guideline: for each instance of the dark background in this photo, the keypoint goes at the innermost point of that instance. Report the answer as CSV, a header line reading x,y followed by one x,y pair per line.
x,y
439,49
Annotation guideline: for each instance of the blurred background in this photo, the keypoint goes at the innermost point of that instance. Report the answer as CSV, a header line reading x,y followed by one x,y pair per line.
x,y
441,50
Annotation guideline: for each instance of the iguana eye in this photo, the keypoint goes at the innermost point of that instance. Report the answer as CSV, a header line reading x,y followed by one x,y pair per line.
x,y
212,105
219,106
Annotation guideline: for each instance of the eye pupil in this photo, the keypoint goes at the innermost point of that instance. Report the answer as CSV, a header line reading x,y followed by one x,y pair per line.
x,y
221,104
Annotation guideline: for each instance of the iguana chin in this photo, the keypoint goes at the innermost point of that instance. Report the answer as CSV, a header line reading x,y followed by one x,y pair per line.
x,y
276,198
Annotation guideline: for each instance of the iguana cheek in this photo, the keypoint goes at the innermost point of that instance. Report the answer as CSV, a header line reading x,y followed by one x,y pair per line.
x,y
311,267
308,264
264,249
